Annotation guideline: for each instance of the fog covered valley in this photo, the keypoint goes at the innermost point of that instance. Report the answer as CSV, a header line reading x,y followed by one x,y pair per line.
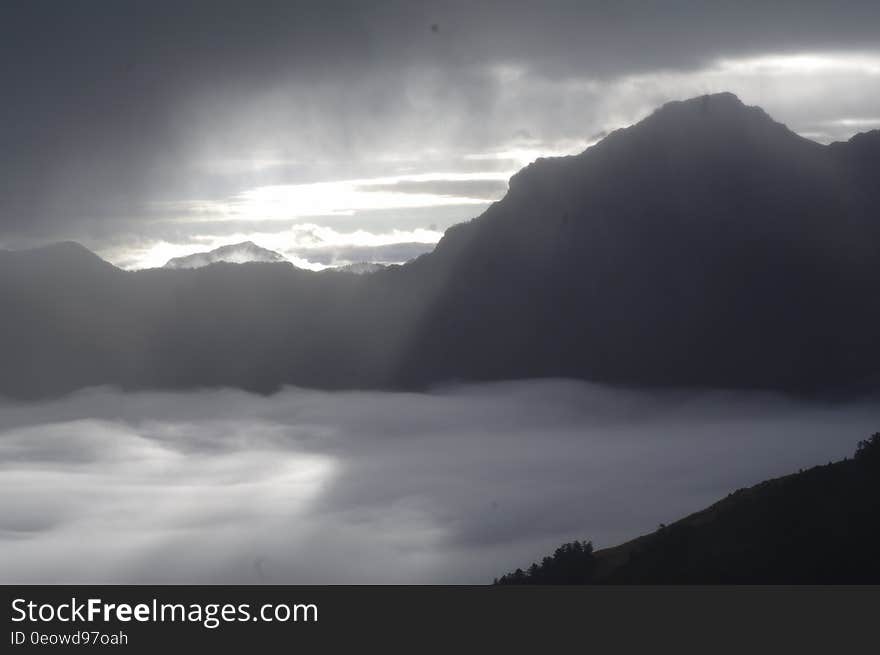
x,y
451,486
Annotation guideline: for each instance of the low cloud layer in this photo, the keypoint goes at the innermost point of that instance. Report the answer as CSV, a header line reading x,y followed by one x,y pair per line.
x,y
458,485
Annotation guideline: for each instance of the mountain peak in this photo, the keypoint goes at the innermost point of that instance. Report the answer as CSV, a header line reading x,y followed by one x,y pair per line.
x,y
869,139
718,110
65,247
236,253
65,252
244,244
715,126
722,99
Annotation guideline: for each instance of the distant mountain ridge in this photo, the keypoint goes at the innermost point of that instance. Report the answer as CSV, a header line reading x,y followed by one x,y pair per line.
x,y
361,268
705,246
237,253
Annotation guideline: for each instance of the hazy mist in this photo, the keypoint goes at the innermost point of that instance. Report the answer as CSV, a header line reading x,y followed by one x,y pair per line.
x,y
457,485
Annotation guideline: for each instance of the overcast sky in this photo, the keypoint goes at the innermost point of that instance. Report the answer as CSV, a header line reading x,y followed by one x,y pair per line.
x,y
325,130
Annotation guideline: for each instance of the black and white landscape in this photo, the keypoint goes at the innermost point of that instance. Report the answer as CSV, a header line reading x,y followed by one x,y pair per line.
x,y
707,246
253,330
454,486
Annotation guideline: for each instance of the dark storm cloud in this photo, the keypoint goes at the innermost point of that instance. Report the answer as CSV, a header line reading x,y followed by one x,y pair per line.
x,y
457,485
109,106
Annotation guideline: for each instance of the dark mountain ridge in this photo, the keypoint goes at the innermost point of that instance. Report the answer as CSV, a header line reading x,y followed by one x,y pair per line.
x,y
818,526
704,246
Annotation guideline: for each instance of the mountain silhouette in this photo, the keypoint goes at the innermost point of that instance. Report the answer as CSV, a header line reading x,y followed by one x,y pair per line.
x,y
818,526
707,245
237,253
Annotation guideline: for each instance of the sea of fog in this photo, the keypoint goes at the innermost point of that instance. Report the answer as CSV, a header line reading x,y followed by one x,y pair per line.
x,y
455,486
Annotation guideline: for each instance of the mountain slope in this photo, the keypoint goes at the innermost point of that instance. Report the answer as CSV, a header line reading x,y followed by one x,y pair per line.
x,y
705,246
254,326
238,253
819,526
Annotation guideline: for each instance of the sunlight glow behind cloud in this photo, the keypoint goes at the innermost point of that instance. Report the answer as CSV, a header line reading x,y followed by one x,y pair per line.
x,y
292,201
313,202
449,175
295,244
